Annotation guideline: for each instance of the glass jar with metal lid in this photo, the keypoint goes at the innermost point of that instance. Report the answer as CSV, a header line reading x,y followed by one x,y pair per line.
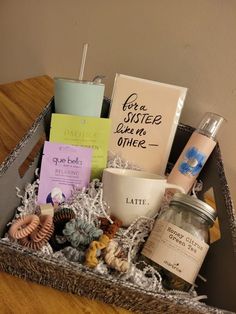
x,y
179,241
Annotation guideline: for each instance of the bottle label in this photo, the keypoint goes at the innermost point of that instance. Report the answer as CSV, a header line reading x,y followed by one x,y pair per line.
x,y
192,162
175,250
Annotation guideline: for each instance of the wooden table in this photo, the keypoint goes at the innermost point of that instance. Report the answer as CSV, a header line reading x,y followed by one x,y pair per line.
x,y
20,103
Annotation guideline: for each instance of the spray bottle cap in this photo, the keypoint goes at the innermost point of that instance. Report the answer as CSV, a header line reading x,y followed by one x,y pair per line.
x,y
210,124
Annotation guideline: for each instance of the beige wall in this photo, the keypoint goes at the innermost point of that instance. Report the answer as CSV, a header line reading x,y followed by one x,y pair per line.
x,y
184,42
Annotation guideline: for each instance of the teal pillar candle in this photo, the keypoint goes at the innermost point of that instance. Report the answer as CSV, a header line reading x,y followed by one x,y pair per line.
x,y
76,97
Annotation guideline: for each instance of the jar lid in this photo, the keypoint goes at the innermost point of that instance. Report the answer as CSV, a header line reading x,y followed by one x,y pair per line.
x,y
71,80
197,205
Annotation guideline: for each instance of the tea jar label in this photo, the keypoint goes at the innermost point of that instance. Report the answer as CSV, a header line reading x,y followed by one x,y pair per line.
x,y
176,250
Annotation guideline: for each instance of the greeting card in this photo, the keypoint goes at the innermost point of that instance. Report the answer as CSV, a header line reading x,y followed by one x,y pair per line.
x,y
63,167
83,131
144,116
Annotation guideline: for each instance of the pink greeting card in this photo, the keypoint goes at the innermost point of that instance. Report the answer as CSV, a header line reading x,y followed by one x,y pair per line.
x,y
63,167
144,117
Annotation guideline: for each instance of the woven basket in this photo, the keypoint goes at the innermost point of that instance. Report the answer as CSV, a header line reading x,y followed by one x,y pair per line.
x,y
78,279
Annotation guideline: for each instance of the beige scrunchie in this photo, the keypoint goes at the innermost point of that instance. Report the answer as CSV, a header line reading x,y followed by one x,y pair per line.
x,y
22,227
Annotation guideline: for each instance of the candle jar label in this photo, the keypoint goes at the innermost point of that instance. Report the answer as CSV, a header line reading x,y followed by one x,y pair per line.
x,y
176,250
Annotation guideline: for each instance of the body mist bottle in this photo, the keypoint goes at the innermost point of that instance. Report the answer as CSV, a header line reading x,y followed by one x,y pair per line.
x,y
196,152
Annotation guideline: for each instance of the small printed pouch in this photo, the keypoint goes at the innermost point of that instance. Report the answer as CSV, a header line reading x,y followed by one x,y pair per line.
x,y
63,167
